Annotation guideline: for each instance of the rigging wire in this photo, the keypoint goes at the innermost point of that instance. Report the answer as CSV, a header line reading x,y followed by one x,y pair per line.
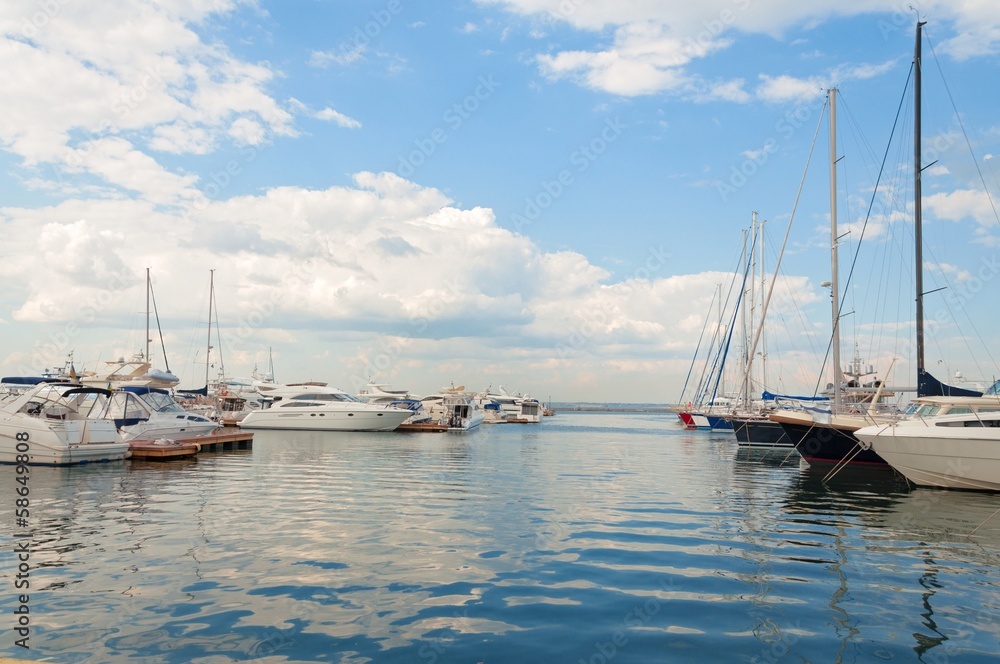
x,y
964,133
864,227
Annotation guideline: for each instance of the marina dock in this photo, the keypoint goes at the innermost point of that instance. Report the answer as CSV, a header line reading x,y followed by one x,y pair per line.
x,y
180,448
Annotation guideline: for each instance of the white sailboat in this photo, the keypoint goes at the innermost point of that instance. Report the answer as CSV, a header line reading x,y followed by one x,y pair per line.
x,y
138,370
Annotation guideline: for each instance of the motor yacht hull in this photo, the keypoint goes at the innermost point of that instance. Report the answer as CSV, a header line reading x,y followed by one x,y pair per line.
x,y
60,443
968,458
307,419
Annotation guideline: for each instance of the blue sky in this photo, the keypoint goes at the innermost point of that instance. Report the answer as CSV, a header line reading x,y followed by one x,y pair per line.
x,y
542,194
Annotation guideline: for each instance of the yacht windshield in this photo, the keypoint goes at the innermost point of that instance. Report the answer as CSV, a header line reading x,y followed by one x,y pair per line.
x,y
163,403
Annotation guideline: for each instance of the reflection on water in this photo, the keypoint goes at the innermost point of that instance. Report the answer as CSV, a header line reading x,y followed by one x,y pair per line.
x,y
593,537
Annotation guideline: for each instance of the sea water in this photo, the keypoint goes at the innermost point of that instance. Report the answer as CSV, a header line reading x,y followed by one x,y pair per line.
x,y
592,537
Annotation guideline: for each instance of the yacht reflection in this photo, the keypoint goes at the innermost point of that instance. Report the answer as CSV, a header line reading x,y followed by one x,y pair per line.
x,y
922,539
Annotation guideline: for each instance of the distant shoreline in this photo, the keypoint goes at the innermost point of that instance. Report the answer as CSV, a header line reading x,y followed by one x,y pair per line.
x,y
614,408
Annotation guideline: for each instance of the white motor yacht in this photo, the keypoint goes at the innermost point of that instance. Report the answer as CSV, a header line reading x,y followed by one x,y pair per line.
x,y
322,408
530,411
511,403
461,412
954,451
59,424
943,441
381,393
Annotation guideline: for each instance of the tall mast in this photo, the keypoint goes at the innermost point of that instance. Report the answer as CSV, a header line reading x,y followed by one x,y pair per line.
x,y
917,213
834,292
747,303
208,344
146,357
763,344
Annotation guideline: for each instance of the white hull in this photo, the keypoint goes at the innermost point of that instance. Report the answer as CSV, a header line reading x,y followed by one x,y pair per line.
x,y
972,462
325,420
468,423
150,430
700,421
61,443
953,451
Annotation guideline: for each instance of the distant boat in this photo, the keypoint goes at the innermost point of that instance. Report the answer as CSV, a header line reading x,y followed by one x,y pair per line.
x,y
461,413
529,412
59,424
138,370
511,403
381,393
312,407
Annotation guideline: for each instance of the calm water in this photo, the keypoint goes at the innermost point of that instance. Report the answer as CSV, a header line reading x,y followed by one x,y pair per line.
x,y
594,537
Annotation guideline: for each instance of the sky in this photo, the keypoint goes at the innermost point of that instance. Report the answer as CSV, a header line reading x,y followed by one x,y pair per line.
x,y
548,195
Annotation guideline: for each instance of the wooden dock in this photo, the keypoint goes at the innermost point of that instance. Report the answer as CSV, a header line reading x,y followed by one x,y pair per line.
x,y
180,448
222,441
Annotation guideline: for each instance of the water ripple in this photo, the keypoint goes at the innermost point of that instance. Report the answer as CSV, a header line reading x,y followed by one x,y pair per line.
x,y
592,537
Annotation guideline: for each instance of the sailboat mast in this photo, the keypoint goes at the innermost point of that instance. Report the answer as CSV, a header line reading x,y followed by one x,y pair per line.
x,y
763,344
834,286
208,343
148,285
917,213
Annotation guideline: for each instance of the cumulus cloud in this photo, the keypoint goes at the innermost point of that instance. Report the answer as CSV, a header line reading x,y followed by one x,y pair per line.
x,y
339,118
385,260
149,79
655,43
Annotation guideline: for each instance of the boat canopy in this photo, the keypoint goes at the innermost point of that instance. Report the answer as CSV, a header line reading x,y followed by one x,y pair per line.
x,y
30,380
143,389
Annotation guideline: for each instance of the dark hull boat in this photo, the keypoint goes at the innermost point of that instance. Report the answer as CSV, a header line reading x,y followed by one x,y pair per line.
x,y
758,432
826,443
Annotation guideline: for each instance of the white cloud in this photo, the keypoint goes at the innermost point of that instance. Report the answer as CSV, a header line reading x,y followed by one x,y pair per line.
x,y
385,259
962,204
337,117
656,42
343,55
782,89
147,78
